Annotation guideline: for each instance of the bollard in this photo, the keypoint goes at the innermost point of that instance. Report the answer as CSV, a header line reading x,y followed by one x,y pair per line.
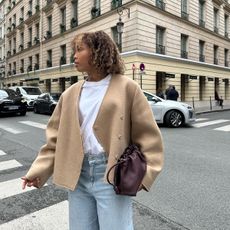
x,y
193,103
210,102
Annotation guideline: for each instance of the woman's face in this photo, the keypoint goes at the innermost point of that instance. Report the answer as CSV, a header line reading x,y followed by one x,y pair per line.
x,y
81,57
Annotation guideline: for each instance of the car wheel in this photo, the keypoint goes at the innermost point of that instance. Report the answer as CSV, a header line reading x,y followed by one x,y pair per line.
x,y
36,109
23,113
174,119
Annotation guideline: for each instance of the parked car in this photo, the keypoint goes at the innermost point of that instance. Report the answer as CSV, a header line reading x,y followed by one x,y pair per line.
x,y
12,103
46,102
171,113
30,93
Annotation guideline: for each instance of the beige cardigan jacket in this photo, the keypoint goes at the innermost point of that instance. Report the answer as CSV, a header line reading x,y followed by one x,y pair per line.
x,y
124,115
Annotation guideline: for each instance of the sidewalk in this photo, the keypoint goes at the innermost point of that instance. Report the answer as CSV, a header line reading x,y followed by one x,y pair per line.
x,y
206,107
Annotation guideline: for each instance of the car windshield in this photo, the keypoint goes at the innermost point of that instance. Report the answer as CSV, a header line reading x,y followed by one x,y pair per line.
x,y
7,93
32,91
3,94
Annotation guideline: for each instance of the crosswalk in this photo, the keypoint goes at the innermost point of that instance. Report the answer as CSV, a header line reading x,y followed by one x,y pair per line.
x,y
54,216
41,214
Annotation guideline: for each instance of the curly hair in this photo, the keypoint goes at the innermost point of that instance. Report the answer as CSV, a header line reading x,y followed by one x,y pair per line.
x,y
105,56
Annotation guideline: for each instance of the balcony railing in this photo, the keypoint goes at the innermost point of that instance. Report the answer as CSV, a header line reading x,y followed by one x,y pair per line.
x,y
216,30
95,12
202,23
215,61
115,4
160,49
160,4
226,34
73,22
202,58
226,63
184,15
184,54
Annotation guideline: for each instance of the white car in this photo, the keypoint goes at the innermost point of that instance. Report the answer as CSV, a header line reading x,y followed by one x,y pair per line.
x,y
171,113
29,93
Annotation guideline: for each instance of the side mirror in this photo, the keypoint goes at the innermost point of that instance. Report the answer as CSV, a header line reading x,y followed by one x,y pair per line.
x,y
155,99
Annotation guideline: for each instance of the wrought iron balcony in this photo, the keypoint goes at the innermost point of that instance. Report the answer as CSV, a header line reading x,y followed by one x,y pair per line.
x,y
226,35
160,4
202,58
216,30
202,23
226,63
215,61
184,15
184,54
115,4
160,49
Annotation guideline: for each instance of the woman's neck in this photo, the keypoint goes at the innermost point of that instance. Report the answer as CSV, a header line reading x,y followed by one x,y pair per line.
x,y
94,76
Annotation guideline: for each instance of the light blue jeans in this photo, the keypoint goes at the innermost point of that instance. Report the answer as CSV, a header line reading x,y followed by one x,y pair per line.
x,y
94,205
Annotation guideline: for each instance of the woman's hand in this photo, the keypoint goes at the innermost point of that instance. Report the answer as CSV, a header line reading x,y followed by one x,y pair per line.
x,y
35,182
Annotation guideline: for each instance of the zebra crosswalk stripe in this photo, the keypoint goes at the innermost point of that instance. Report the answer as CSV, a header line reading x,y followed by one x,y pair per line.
x,y
2,153
10,164
207,123
12,130
52,217
225,128
34,124
12,188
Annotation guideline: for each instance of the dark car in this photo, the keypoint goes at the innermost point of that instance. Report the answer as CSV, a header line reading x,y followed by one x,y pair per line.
x,y
46,102
12,103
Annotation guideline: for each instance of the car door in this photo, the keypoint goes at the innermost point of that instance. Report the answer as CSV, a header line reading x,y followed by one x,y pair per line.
x,y
46,103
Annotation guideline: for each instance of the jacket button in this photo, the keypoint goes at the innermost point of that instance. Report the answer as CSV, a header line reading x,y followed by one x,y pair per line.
x,y
121,117
119,137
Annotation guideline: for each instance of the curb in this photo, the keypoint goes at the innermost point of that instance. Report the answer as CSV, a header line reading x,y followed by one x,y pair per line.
x,y
212,111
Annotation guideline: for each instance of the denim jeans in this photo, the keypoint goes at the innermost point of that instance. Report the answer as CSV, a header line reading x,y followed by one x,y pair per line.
x,y
93,205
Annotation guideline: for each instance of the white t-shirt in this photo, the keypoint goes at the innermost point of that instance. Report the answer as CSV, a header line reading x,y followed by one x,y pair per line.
x,y
91,98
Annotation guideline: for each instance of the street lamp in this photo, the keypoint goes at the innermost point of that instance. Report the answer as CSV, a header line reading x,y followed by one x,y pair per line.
x,y
120,25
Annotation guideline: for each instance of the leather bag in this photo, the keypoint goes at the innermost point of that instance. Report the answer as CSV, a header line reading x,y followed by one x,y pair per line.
x,y
129,171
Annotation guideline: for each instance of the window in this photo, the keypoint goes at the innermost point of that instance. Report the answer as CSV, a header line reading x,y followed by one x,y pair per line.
x,y
226,21
215,54
21,19
29,67
14,45
21,46
226,51
14,68
36,65
37,30
115,35
160,32
216,16
49,58
74,20
14,20
63,20
96,9
30,37
201,51
31,5
22,66
184,9
201,13
63,55
184,41
49,25
160,4
115,4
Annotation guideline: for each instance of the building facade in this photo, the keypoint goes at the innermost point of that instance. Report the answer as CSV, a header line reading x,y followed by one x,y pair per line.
x,y
182,42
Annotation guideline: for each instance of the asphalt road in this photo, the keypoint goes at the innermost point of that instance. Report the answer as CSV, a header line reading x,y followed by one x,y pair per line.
x,y
192,192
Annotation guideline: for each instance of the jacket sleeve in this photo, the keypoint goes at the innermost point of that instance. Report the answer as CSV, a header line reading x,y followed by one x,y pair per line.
x,y
145,132
42,166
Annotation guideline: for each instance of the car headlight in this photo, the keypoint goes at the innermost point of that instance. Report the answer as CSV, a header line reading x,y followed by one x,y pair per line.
x,y
23,100
187,106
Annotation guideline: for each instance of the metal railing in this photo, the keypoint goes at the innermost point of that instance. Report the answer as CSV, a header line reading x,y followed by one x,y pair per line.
x,y
202,58
160,49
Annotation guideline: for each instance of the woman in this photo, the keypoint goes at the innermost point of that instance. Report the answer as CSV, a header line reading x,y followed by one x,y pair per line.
x,y
92,124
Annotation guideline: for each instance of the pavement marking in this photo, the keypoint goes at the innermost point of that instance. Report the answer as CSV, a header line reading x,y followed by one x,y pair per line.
x,y
34,124
2,153
209,123
201,119
12,188
224,128
4,165
53,217
12,130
